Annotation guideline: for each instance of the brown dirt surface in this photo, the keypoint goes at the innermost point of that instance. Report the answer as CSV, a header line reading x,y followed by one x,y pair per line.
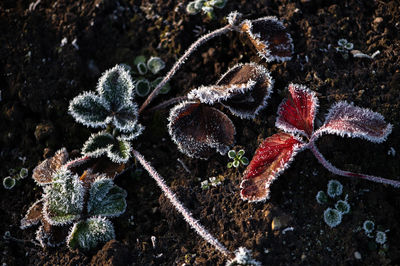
x,y
39,77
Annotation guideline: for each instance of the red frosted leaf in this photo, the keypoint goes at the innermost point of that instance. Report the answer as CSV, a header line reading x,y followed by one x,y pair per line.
x,y
43,172
296,113
199,129
244,90
270,38
270,160
345,119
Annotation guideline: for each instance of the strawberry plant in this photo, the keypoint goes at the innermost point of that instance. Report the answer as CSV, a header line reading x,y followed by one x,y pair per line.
x,y
296,116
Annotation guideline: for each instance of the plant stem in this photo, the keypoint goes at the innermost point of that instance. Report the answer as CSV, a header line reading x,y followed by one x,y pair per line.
x,y
337,171
182,60
178,205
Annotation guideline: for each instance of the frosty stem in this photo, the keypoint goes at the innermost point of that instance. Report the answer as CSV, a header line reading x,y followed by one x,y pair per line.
x,y
178,205
337,171
77,161
182,60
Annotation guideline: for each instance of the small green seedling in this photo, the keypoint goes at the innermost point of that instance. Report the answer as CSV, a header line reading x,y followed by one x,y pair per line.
x,y
204,6
237,158
145,68
342,206
321,197
344,48
380,237
368,227
23,173
332,217
335,188
8,182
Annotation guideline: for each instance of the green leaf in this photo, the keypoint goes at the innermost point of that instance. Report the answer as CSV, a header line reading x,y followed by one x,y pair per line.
x,y
235,163
139,59
120,152
98,144
229,165
240,153
155,64
142,87
231,154
89,109
63,198
116,88
88,234
220,3
142,68
244,160
106,199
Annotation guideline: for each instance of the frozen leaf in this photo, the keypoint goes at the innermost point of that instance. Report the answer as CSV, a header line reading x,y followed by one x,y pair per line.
x,y
137,130
270,38
244,90
9,182
63,199
119,152
125,119
332,217
296,113
98,144
33,215
88,234
272,157
142,87
142,68
106,199
89,110
198,129
43,172
155,64
116,88
345,119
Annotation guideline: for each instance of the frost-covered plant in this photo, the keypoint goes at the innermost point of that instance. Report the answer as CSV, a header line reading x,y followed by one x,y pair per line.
x,y
198,128
332,217
9,182
112,108
368,226
296,116
344,47
380,237
81,203
237,158
145,70
335,188
268,35
205,6
23,173
243,256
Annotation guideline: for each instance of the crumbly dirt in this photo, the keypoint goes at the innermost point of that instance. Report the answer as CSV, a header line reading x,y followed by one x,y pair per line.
x,y
39,76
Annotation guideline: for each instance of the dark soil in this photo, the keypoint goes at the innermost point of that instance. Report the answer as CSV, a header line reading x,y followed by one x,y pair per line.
x,y
39,77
